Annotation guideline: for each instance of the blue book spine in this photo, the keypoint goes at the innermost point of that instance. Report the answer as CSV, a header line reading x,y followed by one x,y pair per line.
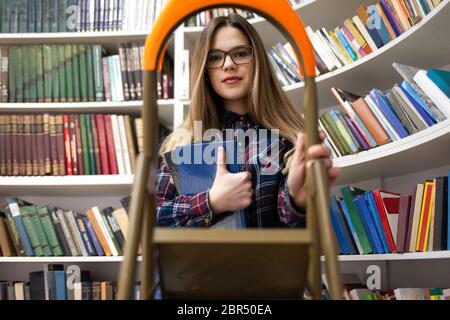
x,y
391,18
378,96
338,232
60,279
370,199
90,230
441,78
361,206
424,6
356,133
85,235
373,32
407,86
380,28
352,228
15,213
425,116
342,225
283,66
347,46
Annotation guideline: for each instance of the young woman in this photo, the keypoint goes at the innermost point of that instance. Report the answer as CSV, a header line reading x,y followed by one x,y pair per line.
x,y
233,87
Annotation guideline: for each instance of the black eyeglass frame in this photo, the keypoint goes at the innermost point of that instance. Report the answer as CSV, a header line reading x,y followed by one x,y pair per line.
x,y
227,53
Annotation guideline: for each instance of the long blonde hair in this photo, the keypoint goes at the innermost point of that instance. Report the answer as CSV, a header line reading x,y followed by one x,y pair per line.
x,y
269,106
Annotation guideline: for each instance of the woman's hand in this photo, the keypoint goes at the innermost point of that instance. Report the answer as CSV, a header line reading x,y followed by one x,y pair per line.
x,y
296,176
230,191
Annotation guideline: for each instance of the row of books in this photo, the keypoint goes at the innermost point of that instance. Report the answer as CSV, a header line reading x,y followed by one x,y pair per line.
x,y
380,221
74,73
204,17
30,16
86,144
420,101
370,29
30,230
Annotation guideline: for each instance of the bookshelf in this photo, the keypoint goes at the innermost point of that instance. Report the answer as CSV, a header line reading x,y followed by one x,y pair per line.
x,y
428,148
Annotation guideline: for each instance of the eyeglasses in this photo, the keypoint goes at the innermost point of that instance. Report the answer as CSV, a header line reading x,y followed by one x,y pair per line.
x,y
239,55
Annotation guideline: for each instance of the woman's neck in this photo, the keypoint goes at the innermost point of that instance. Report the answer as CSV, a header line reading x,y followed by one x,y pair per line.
x,y
239,107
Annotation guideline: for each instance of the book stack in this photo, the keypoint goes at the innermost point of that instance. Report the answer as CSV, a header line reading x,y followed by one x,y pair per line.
x,y
380,221
370,29
204,17
76,73
27,16
30,230
420,101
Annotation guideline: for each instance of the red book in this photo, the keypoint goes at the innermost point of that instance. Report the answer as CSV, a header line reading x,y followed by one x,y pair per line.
x,y
73,144
95,142
110,145
388,207
102,143
78,145
67,146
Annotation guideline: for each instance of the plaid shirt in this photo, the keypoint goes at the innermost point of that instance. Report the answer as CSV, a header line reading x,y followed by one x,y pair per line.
x,y
271,206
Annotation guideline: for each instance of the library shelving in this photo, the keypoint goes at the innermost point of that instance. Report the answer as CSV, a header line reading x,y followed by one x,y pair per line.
x,y
398,163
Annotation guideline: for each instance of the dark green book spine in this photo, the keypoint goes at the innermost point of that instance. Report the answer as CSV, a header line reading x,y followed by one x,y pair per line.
x,y
23,16
90,73
47,73
98,73
33,73
83,72
19,74
14,17
6,11
39,15
333,126
84,144
26,73
55,74
12,73
91,151
61,73
31,15
62,7
46,16
54,15
68,72
40,74
76,73
39,229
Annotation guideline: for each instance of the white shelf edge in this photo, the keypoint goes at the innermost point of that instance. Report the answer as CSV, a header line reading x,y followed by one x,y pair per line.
x,y
52,181
395,147
80,105
62,259
375,54
394,256
73,35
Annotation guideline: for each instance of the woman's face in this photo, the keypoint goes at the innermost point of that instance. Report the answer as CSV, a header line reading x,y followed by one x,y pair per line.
x,y
233,80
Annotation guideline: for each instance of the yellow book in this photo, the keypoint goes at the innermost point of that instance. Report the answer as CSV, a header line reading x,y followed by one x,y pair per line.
x,y
357,35
424,217
401,14
429,236
340,47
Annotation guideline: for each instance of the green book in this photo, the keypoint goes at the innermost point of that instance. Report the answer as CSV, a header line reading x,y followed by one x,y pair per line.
x,y
110,232
90,141
54,16
76,74
68,72
90,73
31,16
33,73
61,73
47,55
46,220
23,16
84,144
330,125
348,194
83,72
26,73
98,73
39,15
62,7
40,74
14,17
46,16
39,229
12,73
19,74
55,74
26,213
6,12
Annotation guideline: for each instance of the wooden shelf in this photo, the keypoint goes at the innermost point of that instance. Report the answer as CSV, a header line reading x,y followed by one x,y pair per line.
x,y
165,110
418,152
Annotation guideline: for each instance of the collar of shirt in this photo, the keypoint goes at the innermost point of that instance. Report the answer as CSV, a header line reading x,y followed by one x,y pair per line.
x,y
234,120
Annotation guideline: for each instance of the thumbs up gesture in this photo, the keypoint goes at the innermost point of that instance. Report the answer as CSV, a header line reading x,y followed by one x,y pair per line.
x,y
230,191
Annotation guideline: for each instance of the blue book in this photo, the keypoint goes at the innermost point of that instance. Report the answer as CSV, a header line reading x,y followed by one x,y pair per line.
x,y
196,167
93,236
441,78
338,233
347,46
412,93
391,18
425,116
12,211
351,226
347,237
370,199
363,210
383,104
60,281
382,31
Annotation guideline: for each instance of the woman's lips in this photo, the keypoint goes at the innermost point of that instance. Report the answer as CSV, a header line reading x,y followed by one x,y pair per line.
x,y
232,80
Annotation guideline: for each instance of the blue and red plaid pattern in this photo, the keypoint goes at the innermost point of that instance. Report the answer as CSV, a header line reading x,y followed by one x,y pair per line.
x,y
271,206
